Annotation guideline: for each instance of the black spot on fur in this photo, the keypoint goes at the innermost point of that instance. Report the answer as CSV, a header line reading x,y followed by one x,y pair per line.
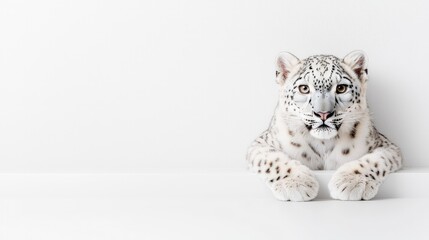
x,y
353,132
314,150
295,144
346,151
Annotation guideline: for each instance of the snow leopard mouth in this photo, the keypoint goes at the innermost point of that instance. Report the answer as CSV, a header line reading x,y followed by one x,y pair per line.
x,y
324,131
323,127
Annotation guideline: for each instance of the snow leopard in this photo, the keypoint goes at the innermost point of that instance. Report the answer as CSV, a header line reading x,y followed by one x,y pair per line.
x,y
322,122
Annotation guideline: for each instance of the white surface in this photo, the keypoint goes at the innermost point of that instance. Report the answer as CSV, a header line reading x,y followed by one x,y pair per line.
x,y
402,184
122,86
210,205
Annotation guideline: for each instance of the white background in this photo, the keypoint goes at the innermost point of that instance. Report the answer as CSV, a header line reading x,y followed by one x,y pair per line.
x,y
127,86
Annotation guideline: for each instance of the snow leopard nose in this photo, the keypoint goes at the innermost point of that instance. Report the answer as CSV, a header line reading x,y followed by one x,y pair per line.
x,y
323,102
324,115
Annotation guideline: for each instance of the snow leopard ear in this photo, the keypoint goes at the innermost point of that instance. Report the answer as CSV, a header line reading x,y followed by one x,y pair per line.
x,y
357,61
285,63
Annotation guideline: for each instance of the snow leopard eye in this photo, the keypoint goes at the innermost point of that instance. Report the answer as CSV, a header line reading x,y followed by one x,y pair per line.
x,y
304,89
342,88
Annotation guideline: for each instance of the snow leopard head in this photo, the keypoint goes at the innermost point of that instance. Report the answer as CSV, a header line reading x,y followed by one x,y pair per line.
x,y
322,92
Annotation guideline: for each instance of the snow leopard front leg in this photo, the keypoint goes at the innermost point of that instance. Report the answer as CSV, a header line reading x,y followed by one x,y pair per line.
x,y
288,179
360,179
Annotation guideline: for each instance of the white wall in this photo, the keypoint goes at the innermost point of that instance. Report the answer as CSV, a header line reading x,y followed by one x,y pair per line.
x,y
125,86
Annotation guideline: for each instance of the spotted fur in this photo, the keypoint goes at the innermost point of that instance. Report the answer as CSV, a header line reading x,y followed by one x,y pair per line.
x,y
317,126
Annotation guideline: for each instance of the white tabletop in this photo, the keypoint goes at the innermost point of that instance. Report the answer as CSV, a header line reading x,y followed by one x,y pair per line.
x,y
196,205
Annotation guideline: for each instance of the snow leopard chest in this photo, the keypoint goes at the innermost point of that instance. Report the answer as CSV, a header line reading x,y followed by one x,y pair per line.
x,y
317,154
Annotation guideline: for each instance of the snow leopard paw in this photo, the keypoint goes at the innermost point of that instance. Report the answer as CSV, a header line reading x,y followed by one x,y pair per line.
x,y
296,184
352,182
